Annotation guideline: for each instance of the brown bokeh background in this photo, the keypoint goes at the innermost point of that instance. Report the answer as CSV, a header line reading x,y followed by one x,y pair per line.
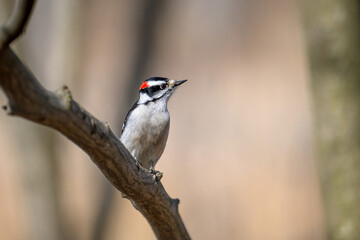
x,y
240,155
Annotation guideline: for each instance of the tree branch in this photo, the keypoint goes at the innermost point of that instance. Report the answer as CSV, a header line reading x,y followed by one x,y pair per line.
x,y
27,98
16,23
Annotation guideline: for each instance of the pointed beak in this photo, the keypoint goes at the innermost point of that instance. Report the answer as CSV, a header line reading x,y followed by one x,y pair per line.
x,y
177,83
173,84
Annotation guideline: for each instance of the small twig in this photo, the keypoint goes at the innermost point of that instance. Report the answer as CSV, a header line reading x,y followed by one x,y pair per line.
x,y
16,23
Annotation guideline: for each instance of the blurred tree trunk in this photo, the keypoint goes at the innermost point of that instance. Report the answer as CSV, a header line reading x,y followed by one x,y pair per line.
x,y
40,155
332,29
36,146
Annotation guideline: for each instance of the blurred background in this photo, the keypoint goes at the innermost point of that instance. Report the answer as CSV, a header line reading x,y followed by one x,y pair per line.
x,y
264,139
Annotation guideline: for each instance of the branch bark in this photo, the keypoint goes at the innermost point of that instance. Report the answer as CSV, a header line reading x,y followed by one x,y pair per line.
x,y
27,98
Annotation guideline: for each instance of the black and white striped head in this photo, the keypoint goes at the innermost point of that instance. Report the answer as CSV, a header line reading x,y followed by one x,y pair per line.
x,y
157,88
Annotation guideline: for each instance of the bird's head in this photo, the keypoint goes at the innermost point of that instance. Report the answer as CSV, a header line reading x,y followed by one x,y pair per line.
x,y
157,88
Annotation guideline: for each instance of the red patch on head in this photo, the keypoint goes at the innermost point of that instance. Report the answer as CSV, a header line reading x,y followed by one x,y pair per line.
x,y
144,85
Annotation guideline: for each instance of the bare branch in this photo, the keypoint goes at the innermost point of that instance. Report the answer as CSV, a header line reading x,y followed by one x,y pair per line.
x,y
27,98
16,23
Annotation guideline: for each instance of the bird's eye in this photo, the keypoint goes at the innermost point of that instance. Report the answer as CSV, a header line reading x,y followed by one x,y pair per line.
x,y
162,86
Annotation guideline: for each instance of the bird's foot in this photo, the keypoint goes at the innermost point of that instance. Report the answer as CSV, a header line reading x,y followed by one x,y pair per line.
x,y
138,162
157,175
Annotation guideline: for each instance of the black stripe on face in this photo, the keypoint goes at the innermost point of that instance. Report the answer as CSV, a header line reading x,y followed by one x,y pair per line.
x,y
150,91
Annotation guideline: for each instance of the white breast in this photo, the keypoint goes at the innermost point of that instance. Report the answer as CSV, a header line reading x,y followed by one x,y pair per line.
x,y
146,132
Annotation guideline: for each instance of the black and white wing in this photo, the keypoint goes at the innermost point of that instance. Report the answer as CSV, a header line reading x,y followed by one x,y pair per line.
x,y
127,116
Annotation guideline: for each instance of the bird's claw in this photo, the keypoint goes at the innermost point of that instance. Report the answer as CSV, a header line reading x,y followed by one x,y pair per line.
x,y
157,175
138,163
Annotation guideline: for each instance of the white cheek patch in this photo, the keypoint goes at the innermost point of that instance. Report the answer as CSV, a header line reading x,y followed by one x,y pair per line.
x,y
160,93
144,98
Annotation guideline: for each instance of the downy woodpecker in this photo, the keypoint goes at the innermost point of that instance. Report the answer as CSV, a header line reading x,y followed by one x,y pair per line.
x,y
146,126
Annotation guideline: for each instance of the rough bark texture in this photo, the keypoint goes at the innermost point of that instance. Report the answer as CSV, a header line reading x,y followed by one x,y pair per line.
x,y
28,99
332,29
